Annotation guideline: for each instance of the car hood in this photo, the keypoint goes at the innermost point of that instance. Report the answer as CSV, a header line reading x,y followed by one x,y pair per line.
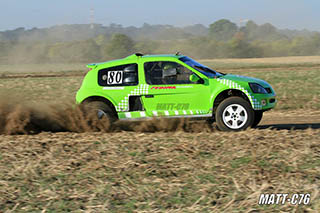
x,y
246,79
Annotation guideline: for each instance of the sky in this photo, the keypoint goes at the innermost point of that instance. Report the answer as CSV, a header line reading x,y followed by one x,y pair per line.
x,y
291,14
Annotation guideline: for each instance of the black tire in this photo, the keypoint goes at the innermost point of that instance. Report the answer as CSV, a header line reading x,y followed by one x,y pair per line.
x,y
240,118
100,110
257,118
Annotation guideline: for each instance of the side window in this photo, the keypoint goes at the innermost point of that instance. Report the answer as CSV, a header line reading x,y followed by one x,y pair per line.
x,y
164,72
124,75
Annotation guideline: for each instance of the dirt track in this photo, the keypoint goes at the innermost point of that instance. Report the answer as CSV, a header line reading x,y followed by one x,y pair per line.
x,y
167,165
162,171
16,118
291,120
52,161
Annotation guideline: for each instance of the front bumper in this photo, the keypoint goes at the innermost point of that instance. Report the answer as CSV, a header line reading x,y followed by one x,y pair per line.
x,y
265,101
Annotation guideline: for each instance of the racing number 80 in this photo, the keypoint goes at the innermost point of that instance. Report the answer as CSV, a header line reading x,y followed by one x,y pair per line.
x,y
115,77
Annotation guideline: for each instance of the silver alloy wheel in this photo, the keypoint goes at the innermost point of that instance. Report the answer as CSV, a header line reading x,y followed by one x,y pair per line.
x,y
100,113
235,116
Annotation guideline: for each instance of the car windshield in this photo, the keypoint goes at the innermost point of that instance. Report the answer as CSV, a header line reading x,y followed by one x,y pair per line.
x,y
201,68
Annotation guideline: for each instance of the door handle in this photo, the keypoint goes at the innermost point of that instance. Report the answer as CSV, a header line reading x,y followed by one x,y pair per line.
x,y
149,96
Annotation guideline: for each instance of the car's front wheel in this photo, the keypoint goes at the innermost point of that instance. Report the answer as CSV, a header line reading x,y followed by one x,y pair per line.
x,y
234,114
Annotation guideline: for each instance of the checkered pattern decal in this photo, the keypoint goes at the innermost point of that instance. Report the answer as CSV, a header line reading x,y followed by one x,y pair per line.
x,y
124,103
233,85
180,113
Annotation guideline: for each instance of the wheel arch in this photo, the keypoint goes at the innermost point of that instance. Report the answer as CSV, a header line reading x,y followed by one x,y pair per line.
x,y
229,93
102,99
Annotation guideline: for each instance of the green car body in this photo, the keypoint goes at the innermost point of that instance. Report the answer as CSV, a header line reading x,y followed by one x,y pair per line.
x,y
197,96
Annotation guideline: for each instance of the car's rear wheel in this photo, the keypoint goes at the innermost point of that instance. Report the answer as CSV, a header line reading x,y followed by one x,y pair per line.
x,y
234,114
100,110
257,118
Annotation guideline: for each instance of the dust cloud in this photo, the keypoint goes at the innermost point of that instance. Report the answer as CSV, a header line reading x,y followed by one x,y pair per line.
x,y
18,116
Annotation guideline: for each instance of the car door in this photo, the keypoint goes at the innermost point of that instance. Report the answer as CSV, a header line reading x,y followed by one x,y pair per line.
x,y
171,93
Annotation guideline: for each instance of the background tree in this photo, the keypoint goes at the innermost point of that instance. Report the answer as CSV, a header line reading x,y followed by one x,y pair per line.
x,y
223,39
119,46
146,46
238,47
79,51
222,30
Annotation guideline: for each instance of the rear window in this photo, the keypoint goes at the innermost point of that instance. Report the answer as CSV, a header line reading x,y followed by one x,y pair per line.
x,y
123,75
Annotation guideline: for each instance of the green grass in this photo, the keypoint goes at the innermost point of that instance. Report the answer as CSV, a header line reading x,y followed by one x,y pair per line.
x,y
236,163
244,65
40,68
259,63
53,89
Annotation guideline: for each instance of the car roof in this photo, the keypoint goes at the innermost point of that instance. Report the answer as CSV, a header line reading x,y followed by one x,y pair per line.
x,y
134,57
164,56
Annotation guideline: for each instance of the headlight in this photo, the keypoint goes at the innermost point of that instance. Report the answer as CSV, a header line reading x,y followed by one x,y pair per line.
x,y
257,88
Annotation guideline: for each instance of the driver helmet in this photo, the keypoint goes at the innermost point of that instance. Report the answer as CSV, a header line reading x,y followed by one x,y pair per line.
x,y
169,65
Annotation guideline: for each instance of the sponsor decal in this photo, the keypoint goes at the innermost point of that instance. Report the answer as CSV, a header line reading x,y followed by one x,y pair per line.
x,y
173,106
168,87
173,113
184,86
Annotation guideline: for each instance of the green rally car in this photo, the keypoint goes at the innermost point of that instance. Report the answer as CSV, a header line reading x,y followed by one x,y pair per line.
x,y
144,86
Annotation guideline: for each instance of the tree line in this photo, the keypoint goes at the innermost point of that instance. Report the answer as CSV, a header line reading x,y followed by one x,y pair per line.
x,y
222,39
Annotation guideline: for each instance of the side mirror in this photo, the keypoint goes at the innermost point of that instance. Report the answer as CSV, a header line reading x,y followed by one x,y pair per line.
x,y
194,78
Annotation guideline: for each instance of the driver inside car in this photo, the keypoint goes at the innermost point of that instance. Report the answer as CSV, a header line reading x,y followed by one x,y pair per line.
x,y
169,73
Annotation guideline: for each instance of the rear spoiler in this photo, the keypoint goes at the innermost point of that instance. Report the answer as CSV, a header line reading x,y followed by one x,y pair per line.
x,y
91,66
